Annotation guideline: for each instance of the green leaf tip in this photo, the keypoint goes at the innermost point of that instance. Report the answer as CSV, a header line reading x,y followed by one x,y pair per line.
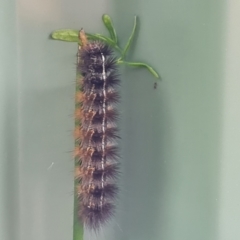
x,y
109,25
67,35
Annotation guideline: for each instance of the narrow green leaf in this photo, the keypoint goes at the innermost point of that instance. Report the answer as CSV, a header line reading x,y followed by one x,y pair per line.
x,y
107,40
109,25
130,38
71,35
68,35
98,36
139,64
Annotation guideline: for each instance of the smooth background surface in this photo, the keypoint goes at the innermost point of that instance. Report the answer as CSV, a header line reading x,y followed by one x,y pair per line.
x,y
180,142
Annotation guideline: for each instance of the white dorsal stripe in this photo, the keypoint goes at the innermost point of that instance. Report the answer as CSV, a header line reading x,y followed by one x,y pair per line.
x,y
103,123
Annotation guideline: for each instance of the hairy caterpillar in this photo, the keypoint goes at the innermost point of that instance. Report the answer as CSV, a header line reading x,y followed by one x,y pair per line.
x,y
96,152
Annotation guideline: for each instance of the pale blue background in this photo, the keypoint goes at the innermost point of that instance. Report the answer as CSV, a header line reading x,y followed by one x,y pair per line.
x,y
180,142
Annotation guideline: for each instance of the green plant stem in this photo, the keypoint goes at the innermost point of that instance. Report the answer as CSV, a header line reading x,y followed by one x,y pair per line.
x,y
77,227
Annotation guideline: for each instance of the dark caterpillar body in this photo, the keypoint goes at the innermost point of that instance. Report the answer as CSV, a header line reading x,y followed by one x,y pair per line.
x,y
96,152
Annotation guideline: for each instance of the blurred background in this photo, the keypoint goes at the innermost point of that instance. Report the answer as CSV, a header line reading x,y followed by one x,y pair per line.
x,y
180,142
